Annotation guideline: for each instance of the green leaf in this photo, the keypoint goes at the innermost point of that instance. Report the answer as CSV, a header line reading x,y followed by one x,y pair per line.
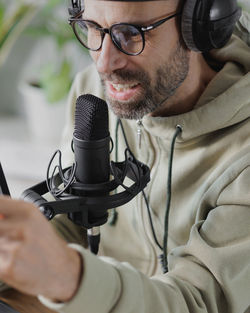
x,y
2,13
50,7
56,85
12,23
36,31
53,3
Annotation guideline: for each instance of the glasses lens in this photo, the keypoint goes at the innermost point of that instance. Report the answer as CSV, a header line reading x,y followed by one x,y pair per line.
x,y
128,38
88,34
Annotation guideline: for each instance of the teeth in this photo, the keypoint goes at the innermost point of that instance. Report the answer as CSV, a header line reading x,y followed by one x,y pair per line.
x,y
122,87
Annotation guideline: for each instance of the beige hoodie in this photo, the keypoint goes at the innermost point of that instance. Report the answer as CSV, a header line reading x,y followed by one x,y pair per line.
x,y
209,221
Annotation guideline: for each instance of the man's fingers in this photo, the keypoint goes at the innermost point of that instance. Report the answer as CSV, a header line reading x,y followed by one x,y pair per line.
x,y
14,215
10,207
11,231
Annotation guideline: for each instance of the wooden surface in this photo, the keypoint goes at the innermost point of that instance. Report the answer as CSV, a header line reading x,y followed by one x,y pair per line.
x,y
23,303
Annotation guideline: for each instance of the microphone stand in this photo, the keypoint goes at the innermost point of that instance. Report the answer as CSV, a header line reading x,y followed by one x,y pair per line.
x,y
93,209
94,237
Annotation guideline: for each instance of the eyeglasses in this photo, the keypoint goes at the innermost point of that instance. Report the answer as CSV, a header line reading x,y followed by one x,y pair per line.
x,y
128,38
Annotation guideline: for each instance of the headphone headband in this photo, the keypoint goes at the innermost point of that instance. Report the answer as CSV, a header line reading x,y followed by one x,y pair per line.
x,y
75,7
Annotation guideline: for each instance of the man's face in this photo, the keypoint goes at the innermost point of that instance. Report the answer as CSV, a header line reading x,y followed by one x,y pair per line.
x,y
138,85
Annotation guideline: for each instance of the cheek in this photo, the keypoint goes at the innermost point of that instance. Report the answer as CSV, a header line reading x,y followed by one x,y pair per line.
x,y
93,55
160,49
152,58
162,42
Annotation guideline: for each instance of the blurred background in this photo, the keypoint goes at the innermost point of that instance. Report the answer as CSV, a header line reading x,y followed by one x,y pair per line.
x,y
39,56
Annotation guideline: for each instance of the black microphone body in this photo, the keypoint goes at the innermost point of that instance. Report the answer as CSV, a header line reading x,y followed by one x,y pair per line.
x,y
92,167
92,160
91,144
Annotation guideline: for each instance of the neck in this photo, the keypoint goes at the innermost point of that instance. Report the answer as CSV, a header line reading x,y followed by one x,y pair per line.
x,y
187,95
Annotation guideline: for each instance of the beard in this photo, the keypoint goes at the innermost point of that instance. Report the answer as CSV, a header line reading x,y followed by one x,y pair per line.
x,y
152,96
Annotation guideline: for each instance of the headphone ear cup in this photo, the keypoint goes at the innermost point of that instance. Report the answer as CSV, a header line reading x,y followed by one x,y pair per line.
x,y
196,37
188,12
207,25
216,38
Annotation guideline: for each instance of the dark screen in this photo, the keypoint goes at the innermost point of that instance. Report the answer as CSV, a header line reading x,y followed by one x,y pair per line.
x,y
4,190
5,308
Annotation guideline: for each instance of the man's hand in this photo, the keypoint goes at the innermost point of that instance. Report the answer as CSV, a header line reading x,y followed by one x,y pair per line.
x,y
33,258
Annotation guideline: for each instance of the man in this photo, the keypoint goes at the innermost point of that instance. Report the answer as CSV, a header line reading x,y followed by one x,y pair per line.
x,y
208,223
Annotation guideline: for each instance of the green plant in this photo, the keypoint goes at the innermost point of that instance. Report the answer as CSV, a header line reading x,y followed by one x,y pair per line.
x,y
13,20
55,78
44,19
56,82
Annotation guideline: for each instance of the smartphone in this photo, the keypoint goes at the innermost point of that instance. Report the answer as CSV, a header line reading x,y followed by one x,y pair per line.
x,y
4,189
5,308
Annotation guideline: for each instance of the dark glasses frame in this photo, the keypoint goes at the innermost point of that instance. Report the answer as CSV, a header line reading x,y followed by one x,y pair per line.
x,y
142,29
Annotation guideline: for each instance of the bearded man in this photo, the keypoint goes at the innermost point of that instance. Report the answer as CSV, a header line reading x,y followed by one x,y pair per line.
x,y
191,111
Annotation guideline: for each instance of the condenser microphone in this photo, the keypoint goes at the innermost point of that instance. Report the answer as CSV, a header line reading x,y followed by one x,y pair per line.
x,y
91,145
85,191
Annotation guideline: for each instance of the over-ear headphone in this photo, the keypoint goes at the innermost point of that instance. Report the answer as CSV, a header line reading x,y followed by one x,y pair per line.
x,y
205,24
208,24
75,7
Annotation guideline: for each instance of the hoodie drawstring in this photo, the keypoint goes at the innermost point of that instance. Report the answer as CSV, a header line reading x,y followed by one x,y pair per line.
x,y
114,213
169,194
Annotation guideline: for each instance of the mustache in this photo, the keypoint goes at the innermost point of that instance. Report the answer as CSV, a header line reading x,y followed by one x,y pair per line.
x,y
126,76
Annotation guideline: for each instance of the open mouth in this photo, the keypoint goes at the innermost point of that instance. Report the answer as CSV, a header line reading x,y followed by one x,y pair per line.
x,y
123,87
122,91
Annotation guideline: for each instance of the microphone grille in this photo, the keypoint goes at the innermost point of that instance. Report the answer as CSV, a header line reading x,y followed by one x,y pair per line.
x,y
91,118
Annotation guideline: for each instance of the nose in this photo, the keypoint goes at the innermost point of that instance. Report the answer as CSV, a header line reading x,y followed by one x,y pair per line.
x,y
109,58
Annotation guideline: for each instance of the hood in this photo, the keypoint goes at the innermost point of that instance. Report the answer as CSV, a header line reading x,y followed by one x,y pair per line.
x,y
225,101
